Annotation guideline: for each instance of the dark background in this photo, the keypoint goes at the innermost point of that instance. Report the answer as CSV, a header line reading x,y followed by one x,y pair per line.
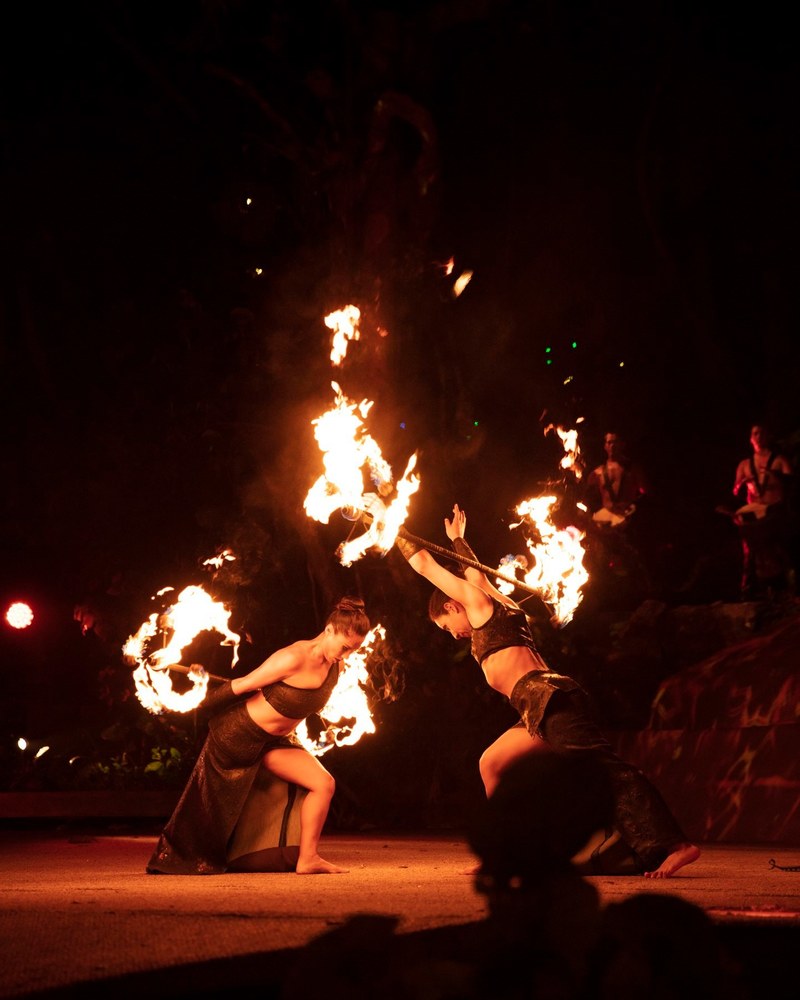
x,y
189,188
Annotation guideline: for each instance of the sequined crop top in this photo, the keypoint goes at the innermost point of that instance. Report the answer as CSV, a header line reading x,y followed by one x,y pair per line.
x,y
507,627
299,703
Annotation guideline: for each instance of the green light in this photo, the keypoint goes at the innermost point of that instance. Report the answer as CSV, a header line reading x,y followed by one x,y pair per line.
x,y
549,361
474,423
574,343
547,350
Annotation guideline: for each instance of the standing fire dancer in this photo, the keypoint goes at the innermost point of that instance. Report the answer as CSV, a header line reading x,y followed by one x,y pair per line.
x,y
246,734
551,706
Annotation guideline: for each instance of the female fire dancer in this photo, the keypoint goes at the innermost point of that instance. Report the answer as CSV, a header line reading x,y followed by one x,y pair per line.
x,y
551,706
246,733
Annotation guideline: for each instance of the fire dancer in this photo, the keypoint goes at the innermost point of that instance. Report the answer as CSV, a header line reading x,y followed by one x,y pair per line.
x,y
552,707
254,723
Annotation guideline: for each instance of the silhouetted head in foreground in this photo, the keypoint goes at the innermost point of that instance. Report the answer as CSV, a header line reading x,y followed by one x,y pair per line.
x,y
544,809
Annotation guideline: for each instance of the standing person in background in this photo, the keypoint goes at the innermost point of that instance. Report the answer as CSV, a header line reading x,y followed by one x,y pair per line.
x,y
553,708
616,494
615,487
764,519
253,726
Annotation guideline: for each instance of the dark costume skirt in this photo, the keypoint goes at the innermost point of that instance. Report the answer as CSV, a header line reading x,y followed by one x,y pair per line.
x,y
557,708
267,835
204,825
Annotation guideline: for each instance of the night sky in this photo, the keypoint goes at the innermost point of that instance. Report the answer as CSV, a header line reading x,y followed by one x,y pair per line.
x,y
190,188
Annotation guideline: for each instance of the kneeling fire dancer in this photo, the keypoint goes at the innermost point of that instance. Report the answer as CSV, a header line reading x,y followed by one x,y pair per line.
x,y
553,708
248,733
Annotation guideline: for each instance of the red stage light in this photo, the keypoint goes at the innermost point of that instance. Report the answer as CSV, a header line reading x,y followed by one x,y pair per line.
x,y
19,615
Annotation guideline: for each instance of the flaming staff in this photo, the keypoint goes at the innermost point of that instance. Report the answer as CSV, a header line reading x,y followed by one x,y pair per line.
x,y
349,453
463,560
558,574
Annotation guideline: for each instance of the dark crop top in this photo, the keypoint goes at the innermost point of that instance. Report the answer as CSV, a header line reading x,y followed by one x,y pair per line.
x,y
299,703
507,627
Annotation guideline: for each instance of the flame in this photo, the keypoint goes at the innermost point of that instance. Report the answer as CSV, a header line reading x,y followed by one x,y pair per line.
x,y
558,573
348,452
346,717
572,452
216,561
461,282
193,612
344,323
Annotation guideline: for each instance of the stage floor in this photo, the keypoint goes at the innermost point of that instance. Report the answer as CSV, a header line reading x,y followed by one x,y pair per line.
x,y
80,916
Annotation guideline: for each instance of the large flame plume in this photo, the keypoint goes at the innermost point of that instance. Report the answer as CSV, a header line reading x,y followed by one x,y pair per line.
x,y
346,717
193,612
555,571
350,454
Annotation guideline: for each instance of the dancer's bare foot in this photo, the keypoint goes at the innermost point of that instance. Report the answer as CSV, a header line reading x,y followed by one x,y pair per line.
x,y
315,865
683,855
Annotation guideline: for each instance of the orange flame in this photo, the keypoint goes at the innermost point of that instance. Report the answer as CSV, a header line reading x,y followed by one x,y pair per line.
x,y
193,612
216,561
558,573
346,716
344,323
348,452
572,452
461,282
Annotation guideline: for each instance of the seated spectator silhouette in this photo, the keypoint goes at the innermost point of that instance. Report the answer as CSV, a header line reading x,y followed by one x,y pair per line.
x,y
544,917
654,945
547,934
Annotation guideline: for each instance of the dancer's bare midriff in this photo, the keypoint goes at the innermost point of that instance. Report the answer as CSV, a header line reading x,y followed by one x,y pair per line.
x,y
505,667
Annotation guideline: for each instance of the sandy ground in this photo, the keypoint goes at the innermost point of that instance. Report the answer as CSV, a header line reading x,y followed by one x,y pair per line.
x,y
79,914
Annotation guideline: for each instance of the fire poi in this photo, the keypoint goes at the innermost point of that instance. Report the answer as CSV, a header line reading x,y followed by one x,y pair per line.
x,y
346,717
193,612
